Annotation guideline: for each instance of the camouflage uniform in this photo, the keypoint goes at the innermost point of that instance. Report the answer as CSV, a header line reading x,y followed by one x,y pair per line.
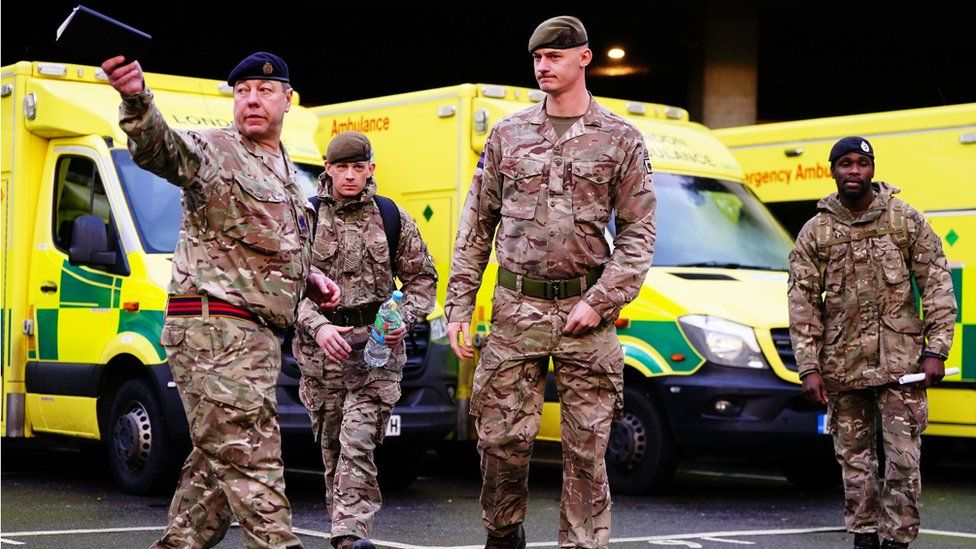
x,y
551,198
244,239
350,403
862,336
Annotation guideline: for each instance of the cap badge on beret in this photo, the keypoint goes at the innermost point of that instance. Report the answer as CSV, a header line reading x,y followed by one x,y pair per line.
x,y
865,147
267,68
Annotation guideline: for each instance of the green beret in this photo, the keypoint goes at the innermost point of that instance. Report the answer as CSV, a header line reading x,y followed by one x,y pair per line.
x,y
559,33
349,147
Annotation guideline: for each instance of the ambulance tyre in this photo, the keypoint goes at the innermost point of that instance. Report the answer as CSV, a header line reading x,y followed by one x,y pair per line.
x,y
139,450
641,452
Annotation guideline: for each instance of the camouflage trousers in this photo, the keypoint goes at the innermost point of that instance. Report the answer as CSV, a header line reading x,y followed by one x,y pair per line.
x,y
349,405
507,398
888,506
226,371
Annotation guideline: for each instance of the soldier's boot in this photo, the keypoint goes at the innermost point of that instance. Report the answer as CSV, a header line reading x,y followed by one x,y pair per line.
x,y
352,542
866,541
888,544
515,540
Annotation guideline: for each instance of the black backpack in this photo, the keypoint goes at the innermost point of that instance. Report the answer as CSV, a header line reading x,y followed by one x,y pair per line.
x,y
391,224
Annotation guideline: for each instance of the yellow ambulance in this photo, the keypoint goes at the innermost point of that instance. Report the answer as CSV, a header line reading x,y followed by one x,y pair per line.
x,y
80,345
709,364
930,154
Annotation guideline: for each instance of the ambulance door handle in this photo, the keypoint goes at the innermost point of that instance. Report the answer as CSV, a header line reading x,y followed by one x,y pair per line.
x,y
49,287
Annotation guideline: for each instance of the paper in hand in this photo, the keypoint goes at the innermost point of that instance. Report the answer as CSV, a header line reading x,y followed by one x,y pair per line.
x,y
89,37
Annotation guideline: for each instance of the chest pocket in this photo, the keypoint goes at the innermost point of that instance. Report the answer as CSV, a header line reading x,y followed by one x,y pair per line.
x,y
892,261
522,179
379,258
255,213
591,189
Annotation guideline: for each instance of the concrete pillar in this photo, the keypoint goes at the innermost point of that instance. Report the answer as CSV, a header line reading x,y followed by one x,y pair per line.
x,y
724,91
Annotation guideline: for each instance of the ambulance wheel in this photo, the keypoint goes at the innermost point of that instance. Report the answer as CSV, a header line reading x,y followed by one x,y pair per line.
x,y
140,452
640,454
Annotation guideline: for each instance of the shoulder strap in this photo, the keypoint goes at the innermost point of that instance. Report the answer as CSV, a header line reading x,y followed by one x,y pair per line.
x,y
898,222
314,201
823,235
391,226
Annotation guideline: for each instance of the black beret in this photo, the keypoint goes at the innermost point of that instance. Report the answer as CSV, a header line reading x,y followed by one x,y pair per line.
x,y
349,147
851,144
259,66
559,33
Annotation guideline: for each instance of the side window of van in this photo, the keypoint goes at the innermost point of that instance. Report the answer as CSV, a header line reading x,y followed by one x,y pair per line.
x,y
78,191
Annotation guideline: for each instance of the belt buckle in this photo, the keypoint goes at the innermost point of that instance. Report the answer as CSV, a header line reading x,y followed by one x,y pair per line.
x,y
554,289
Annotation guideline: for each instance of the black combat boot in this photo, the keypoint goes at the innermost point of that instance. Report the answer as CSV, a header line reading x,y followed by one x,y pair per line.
x,y
515,540
352,542
866,541
888,544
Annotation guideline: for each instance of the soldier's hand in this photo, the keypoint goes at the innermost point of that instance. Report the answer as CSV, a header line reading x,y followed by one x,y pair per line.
x,y
582,318
461,348
329,339
126,78
814,389
394,337
934,370
323,291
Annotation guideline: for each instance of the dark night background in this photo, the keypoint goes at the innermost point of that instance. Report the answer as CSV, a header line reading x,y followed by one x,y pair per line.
x,y
814,59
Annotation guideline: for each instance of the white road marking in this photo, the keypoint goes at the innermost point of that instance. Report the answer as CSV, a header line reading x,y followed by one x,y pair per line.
x,y
751,476
671,539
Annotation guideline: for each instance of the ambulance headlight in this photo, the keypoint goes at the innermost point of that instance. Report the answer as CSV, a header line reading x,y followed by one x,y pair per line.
x,y
723,341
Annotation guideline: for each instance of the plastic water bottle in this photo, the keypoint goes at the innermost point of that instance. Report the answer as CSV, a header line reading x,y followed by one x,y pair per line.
x,y
387,320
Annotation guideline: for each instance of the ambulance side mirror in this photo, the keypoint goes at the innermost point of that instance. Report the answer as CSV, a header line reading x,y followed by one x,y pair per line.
x,y
89,243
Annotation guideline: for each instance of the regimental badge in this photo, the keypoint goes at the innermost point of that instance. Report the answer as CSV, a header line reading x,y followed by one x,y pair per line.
x,y
864,147
647,165
267,68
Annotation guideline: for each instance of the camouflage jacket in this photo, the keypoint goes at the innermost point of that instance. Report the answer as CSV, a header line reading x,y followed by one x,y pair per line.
x,y
865,330
350,248
551,198
244,236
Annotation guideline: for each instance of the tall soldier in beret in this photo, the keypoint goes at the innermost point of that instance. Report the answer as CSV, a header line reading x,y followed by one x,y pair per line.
x,y
239,271
363,248
550,179
860,252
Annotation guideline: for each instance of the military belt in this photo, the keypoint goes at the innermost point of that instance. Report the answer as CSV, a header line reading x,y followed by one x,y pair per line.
x,y
547,289
363,316
203,305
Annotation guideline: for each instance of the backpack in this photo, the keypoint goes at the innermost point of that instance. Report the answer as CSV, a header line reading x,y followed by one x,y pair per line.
x,y
391,224
897,227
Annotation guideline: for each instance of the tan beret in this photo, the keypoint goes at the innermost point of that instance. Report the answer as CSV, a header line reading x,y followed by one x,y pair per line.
x,y
349,147
559,33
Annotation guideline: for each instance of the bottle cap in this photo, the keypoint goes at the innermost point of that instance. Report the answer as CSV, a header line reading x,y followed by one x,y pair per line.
x,y
398,296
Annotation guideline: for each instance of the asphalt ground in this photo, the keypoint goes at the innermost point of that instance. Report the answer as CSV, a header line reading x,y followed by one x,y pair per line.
x,y
57,495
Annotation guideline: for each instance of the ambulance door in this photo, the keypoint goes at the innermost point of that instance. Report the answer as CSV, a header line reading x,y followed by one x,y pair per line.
x,y
952,403
76,307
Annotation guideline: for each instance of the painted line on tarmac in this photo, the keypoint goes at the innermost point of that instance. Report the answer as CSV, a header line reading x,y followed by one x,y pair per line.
x,y
85,531
750,476
966,535
709,536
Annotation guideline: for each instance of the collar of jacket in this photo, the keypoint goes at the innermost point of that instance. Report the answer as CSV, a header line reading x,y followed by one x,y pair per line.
x,y
365,197
882,196
537,114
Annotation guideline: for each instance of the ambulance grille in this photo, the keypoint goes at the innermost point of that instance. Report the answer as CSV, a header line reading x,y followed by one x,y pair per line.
x,y
784,347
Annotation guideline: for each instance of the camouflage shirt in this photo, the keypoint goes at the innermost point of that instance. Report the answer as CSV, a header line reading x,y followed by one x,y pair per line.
x,y
244,236
551,198
865,330
351,248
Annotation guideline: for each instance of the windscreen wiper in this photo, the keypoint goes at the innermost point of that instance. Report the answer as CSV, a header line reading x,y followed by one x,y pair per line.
x,y
728,265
